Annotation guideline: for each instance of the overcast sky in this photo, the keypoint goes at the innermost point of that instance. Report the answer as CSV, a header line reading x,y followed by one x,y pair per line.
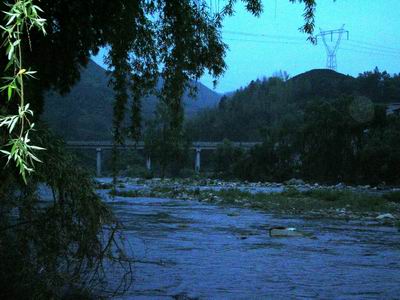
x,y
261,46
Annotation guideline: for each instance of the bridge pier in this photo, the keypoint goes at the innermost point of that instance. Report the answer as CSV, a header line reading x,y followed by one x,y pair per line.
x,y
197,163
98,162
148,163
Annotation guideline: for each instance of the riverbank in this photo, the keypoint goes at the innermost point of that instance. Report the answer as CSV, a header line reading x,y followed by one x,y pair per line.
x,y
371,206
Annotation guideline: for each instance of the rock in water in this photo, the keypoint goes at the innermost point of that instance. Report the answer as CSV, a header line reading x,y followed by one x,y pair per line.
x,y
295,181
281,231
385,216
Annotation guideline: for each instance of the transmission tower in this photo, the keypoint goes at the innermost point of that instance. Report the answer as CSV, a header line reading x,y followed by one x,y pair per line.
x,y
331,62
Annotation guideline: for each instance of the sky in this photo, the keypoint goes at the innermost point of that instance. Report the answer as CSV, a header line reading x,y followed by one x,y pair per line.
x,y
261,46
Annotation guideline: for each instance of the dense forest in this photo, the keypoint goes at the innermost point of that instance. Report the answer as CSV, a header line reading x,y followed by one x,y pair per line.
x,y
320,126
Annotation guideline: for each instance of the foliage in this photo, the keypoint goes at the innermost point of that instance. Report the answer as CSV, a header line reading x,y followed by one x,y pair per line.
x,y
314,126
21,16
380,156
392,196
164,144
56,241
225,159
131,163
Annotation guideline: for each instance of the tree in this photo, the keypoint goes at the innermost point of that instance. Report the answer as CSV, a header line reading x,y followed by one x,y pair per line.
x,y
225,158
164,144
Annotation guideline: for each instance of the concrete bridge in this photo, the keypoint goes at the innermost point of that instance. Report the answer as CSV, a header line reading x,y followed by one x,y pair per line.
x,y
99,146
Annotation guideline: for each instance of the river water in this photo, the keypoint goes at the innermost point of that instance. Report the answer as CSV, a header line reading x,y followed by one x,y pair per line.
x,y
194,250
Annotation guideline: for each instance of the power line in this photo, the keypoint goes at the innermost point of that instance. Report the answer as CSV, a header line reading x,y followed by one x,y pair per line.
x,y
380,53
370,52
353,46
360,44
262,35
374,48
265,42
376,45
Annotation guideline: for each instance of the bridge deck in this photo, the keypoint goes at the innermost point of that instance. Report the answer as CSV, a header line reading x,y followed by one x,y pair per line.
x,y
140,145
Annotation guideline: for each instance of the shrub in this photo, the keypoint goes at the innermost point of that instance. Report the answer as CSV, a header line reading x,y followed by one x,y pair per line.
x,y
49,247
392,197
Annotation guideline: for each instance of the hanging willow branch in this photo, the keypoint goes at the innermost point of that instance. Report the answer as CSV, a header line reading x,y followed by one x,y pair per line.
x,y
22,16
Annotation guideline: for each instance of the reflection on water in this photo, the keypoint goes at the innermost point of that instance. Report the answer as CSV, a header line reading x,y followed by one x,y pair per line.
x,y
188,249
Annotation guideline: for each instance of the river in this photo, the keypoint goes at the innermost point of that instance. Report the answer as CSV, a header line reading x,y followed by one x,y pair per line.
x,y
195,250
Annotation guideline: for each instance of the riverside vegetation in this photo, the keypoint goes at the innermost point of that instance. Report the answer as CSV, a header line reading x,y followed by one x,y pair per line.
x,y
310,201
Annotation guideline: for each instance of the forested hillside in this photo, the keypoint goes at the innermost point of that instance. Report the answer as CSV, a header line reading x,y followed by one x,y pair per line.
x,y
246,114
85,113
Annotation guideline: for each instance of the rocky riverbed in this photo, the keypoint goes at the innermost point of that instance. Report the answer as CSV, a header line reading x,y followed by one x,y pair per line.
x,y
369,205
216,184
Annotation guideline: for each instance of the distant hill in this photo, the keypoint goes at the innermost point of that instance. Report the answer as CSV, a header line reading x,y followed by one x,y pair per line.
x,y
317,82
86,112
321,83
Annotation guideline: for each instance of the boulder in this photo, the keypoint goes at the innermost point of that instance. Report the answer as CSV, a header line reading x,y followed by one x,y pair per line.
x,y
295,181
385,216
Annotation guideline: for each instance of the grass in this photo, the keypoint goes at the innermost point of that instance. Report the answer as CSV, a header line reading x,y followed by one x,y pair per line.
x,y
290,201
321,199
393,197
295,201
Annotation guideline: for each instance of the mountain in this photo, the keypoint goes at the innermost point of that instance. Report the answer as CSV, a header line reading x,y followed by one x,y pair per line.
x,y
85,113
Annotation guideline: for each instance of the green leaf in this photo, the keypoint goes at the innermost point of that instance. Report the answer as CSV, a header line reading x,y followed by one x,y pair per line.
x,y
37,147
5,152
14,122
10,51
9,92
12,18
9,64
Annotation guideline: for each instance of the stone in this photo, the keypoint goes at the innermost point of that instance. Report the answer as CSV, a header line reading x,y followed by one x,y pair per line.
x,y
340,185
295,181
385,216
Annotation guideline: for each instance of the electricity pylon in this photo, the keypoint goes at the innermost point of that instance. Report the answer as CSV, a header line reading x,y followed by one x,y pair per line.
x,y
331,62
